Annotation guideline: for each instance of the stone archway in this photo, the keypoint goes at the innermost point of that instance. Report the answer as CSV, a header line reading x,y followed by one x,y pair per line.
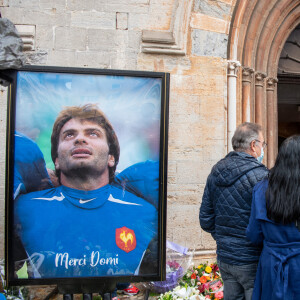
x,y
258,33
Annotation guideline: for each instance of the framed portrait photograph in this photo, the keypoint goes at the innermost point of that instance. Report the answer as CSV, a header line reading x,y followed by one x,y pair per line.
x,y
86,175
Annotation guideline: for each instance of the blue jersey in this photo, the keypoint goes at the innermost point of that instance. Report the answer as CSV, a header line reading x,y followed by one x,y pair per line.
x,y
74,233
30,173
141,179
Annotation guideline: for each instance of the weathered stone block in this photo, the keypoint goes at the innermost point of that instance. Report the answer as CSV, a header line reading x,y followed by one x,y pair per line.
x,y
179,193
122,21
54,5
62,58
137,21
165,63
45,37
70,38
213,8
192,172
78,5
93,19
204,22
110,6
186,108
61,19
99,39
24,3
13,14
209,43
94,59
46,18
124,60
37,57
134,40
203,83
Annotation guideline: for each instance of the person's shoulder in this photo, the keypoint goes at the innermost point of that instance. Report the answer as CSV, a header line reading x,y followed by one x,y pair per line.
x,y
43,195
261,171
124,198
261,186
250,163
26,145
225,162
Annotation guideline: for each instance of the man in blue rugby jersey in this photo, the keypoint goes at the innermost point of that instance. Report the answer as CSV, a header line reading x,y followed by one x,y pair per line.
x,y
86,227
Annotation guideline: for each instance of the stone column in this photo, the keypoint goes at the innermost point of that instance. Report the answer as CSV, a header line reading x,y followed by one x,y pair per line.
x,y
271,124
246,94
259,97
231,100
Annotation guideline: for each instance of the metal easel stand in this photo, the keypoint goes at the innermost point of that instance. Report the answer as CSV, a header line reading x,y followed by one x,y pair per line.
x,y
106,296
105,289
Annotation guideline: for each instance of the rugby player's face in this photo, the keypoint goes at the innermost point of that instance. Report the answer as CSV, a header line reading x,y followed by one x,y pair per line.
x,y
83,144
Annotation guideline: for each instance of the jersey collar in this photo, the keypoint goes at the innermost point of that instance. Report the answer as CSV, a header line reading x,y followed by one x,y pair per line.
x,y
86,199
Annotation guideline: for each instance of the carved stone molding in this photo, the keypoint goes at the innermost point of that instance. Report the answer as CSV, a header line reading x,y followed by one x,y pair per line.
x,y
27,34
233,67
271,83
259,78
247,74
172,41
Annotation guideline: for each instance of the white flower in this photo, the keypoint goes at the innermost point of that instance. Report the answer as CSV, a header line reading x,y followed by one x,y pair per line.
x,y
182,293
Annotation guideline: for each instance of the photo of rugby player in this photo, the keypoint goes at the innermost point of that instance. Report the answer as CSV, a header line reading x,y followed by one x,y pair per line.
x,y
85,151
86,218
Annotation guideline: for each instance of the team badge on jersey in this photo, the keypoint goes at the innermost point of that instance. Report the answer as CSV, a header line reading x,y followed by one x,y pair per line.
x,y
125,239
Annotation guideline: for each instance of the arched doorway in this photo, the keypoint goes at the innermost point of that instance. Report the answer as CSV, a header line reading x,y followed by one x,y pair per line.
x,y
289,87
258,33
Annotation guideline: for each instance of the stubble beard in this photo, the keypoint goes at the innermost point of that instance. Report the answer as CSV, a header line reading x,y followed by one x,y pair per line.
x,y
82,172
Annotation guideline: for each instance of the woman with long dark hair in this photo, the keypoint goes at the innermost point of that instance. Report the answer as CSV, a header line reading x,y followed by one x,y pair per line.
x,y
275,224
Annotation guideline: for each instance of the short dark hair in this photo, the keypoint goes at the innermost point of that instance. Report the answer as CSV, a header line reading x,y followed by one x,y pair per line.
x,y
283,192
92,113
244,135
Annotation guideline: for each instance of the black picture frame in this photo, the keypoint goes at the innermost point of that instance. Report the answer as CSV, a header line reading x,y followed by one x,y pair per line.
x,y
36,82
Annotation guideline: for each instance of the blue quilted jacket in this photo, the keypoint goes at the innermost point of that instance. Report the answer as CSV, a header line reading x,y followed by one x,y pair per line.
x,y
226,206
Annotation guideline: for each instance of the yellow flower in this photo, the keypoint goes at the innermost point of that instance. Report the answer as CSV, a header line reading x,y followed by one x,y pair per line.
x,y
200,266
208,269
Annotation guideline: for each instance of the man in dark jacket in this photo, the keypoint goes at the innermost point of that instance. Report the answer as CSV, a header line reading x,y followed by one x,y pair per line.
x,y
226,206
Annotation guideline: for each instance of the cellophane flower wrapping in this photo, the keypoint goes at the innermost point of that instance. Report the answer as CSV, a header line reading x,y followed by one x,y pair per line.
x,y
198,283
178,260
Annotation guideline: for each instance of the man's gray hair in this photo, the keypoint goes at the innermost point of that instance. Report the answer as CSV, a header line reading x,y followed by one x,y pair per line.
x,y
244,135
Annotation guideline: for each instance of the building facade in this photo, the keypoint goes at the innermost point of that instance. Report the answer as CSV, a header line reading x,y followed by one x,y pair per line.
x,y
227,60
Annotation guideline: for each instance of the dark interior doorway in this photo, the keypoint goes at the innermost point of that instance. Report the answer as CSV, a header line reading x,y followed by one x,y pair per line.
x,y
288,106
288,88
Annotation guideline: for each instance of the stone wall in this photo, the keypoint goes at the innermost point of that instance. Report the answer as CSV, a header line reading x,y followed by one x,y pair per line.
x,y
113,34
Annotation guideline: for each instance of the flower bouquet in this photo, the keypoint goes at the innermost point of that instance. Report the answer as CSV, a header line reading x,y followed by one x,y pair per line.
x,y
208,280
178,260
